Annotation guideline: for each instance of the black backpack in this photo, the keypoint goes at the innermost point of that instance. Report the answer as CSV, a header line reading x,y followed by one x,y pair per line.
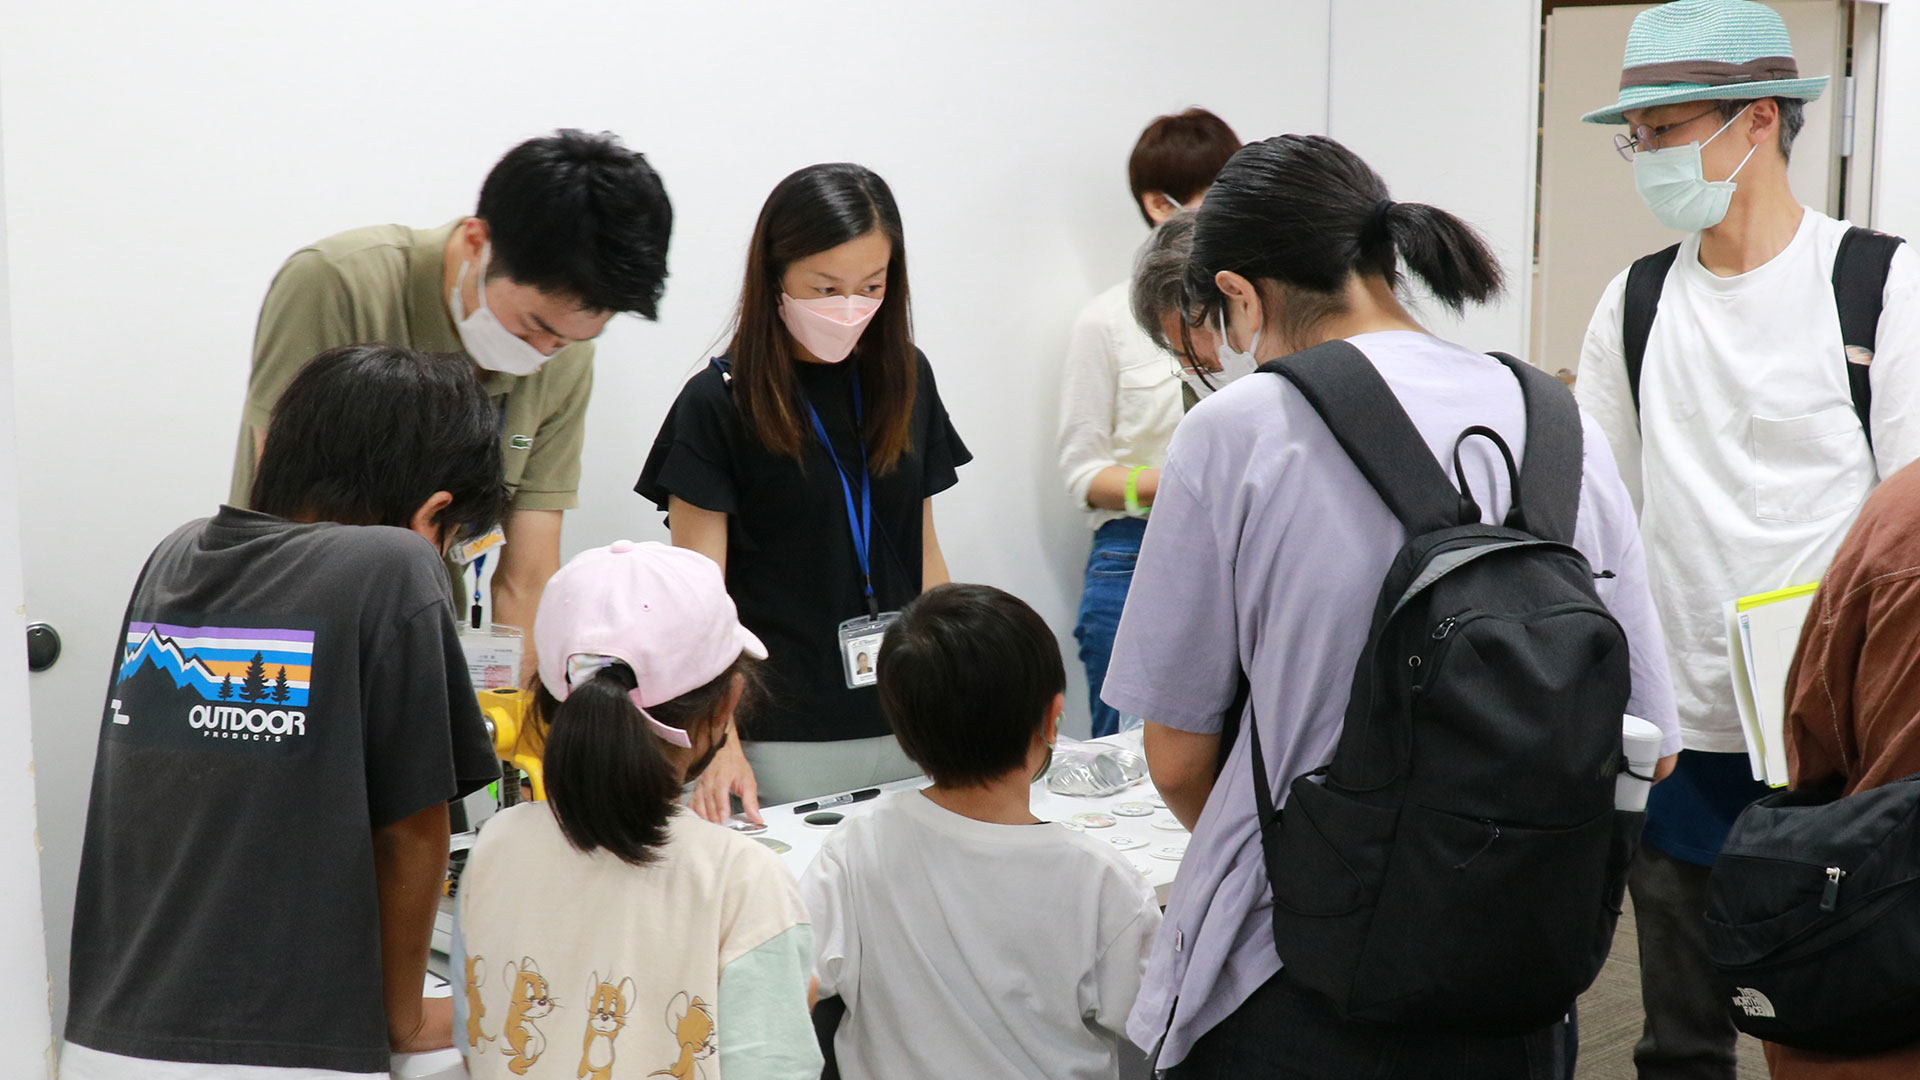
x,y
1813,918
1859,281
1459,864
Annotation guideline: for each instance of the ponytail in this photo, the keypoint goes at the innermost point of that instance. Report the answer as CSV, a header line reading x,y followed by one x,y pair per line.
x,y
610,783
1448,257
1305,214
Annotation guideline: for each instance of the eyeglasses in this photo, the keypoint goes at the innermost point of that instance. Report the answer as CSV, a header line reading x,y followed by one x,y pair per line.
x,y
1643,137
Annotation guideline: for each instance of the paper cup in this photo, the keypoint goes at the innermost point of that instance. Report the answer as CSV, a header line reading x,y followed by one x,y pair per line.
x,y
1641,742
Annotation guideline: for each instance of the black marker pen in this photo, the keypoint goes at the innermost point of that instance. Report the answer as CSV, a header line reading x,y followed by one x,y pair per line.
x,y
838,800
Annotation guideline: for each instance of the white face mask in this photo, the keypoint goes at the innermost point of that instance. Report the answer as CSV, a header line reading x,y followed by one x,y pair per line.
x,y
491,344
1233,364
1674,185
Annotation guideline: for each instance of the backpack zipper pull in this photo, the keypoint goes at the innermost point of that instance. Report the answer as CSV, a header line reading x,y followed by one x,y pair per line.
x,y
1446,627
1830,897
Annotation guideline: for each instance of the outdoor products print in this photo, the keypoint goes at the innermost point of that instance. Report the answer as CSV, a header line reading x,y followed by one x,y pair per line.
x,y
213,685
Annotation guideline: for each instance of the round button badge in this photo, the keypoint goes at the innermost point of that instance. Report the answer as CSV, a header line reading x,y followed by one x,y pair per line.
x,y
1090,820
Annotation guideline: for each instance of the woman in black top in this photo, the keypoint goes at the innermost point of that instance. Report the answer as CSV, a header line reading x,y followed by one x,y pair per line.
x,y
819,427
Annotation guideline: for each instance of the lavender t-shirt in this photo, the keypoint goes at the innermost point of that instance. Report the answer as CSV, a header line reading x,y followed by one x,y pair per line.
x,y
1266,551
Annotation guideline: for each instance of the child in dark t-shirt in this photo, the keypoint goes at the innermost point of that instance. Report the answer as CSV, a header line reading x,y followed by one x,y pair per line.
x,y
288,719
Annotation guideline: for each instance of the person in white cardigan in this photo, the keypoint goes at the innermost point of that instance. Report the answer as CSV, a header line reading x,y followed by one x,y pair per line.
x,y
1120,397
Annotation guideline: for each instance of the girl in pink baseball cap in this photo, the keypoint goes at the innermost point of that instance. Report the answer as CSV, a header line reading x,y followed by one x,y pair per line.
x,y
609,918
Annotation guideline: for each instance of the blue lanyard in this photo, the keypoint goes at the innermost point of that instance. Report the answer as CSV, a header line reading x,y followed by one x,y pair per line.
x,y
479,568
861,522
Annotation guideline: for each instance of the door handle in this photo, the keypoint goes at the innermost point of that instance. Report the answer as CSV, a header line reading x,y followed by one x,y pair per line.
x,y
43,646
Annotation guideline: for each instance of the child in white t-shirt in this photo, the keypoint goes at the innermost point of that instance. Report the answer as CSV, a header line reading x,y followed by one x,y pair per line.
x,y
609,932
966,936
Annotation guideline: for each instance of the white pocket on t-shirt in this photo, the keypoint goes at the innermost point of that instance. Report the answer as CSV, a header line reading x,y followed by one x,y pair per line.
x,y
1810,467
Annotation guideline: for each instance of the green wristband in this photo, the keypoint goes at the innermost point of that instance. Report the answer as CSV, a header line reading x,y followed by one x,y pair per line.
x,y
1134,509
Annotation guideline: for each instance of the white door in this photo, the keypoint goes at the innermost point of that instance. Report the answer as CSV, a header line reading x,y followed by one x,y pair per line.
x,y
26,1035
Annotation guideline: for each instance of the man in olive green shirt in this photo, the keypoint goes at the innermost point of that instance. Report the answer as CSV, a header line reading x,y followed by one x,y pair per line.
x,y
571,228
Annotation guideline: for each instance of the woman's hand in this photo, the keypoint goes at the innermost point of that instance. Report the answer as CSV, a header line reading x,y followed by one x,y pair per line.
x,y
727,775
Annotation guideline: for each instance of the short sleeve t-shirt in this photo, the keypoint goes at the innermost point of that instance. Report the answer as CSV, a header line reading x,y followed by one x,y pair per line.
x,y
384,284
1745,455
968,948
1265,555
572,964
279,692
791,566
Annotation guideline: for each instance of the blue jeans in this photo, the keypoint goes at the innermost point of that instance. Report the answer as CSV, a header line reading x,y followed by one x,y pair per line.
x,y
1116,547
1286,1032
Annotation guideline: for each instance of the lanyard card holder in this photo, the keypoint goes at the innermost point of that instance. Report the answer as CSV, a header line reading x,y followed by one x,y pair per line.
x,y
860,647
859,639
493,656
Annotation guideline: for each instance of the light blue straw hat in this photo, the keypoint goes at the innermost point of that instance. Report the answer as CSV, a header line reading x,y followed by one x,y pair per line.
x,y
1707,50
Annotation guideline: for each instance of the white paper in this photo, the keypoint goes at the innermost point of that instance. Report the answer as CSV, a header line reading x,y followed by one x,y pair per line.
x,y
1769,635
1743,691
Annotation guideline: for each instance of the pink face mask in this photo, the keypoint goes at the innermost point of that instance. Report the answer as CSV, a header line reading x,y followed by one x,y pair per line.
x,y
828,326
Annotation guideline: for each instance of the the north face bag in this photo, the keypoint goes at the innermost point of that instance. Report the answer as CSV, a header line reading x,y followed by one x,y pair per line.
x,y
1813,918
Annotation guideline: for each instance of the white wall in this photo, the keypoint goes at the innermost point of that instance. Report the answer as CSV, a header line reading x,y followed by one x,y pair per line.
x,y
1441,98
1896,186
26,1040
164,159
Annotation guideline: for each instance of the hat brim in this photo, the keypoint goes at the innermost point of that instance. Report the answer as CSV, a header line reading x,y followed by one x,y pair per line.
x,y
751,645
1647,97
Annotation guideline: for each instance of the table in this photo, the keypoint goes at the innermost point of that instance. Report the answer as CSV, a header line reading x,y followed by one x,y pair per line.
x,y
804,841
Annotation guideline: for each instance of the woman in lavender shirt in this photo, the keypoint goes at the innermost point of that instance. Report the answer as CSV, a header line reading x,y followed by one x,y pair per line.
x,y
1266,554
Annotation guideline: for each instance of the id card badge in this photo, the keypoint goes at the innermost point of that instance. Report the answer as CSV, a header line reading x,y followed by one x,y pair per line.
x,y
860,647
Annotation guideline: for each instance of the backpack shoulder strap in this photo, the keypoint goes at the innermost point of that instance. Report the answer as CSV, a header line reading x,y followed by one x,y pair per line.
x,y
1645,279
1373,428
1859,281
1551,471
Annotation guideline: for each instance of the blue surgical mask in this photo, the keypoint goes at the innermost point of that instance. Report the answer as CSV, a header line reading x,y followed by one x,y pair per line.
x,y
1675,187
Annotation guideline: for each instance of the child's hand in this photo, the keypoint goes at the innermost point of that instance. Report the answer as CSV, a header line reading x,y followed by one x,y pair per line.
x,y
727,775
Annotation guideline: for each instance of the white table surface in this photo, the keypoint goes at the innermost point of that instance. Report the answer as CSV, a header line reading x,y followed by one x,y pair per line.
x,y
804,841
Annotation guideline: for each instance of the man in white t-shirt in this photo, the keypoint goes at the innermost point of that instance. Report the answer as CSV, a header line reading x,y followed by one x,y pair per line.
x,y
965,936
1743,440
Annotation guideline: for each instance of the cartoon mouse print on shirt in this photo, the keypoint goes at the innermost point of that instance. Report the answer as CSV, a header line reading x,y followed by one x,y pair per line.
x,y
606,1015
531,1001
476,1008
692,1025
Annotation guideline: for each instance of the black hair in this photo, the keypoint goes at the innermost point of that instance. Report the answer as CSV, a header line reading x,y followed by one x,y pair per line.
x,y
1793,117
609,783
582,217
1301,214
966,676
365,434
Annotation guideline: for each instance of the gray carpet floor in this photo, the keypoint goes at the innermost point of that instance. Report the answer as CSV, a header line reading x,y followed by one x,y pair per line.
x,y
1610,1017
